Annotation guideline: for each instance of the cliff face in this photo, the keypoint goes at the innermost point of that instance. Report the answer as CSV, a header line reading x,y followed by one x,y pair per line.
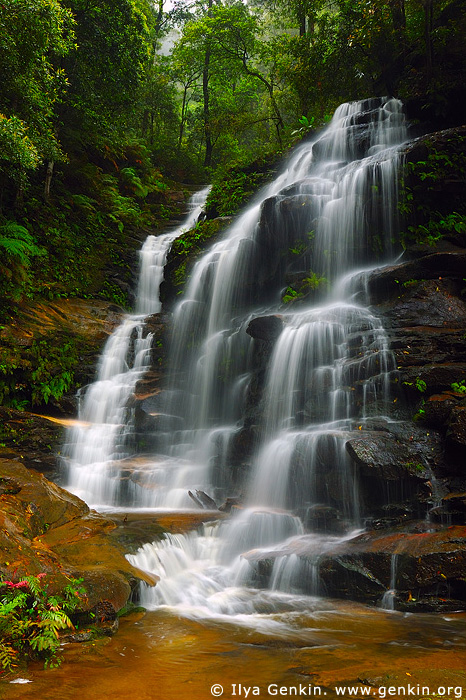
x,y
410,468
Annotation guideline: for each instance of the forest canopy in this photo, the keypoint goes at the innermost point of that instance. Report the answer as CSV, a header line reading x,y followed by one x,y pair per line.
x,y
234,78
101,100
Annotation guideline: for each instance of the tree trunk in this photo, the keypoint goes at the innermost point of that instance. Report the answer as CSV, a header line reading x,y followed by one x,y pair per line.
x,y
301,16
206,96
183,117
428,27
397,9
48,179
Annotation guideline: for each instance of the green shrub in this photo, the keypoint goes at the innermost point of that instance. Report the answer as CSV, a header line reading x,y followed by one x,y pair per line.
x,y
31,619
17,248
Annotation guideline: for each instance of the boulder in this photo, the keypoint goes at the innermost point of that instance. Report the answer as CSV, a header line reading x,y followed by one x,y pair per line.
x,y
412,276
45,529
427,569
265,327
393,469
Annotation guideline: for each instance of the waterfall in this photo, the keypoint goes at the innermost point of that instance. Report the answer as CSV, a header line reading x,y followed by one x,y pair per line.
x,y
329,372
325,219
96,445
388,598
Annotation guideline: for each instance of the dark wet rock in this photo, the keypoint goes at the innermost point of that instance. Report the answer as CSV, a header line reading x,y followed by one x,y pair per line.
x,y
323,518
184,253
33,440
284,223
393,279
394,514
157,325
453,508
202,500
392,469
265,327
456,434
229,503
428,566
438,409
425,565
243,442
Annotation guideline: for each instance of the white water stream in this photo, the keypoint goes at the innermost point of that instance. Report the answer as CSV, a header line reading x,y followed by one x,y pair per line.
x,y
328,371
100,440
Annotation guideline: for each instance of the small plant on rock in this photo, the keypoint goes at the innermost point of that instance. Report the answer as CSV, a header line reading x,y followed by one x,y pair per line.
x,y
31,619
459,387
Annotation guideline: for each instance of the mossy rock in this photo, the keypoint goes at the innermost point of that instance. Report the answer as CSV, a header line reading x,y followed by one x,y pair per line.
x,y
45,529
50,349
234,188
185,251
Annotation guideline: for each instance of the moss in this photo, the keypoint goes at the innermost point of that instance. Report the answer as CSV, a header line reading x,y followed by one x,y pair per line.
x,y
185,251
43,372
233,188
301,289
83,242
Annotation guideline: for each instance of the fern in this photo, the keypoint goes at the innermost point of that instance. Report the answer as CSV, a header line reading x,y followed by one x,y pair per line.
x,y
17,242
132,179
8,656
31,620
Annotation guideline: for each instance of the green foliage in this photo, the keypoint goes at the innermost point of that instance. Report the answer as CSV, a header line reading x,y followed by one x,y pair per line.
x,y
234,187
417,466
43,372
34,36
459,387
308,284
31,619
411,283
438,227
17,248
18,243
232,191
420,413
53,372
427,219
418,384
15,144
188,246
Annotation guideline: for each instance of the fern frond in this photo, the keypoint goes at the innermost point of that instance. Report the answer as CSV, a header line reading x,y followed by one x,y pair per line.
x,y
17,242
7,656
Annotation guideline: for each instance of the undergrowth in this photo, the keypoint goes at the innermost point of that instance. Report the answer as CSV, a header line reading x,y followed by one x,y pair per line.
x,y
31,620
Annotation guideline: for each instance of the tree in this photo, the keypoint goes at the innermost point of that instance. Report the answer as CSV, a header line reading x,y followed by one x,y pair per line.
x,y
220,53
107,68
34,35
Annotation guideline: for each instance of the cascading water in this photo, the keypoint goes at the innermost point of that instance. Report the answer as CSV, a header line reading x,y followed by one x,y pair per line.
x,y
334,209
101,439
329,371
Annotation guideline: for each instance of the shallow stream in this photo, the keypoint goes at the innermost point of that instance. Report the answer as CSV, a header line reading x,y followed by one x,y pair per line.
x,y
161,656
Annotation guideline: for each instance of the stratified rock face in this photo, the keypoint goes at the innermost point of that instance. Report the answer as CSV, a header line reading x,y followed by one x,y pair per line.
x,y
86,323
58,342
423,306
423,569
